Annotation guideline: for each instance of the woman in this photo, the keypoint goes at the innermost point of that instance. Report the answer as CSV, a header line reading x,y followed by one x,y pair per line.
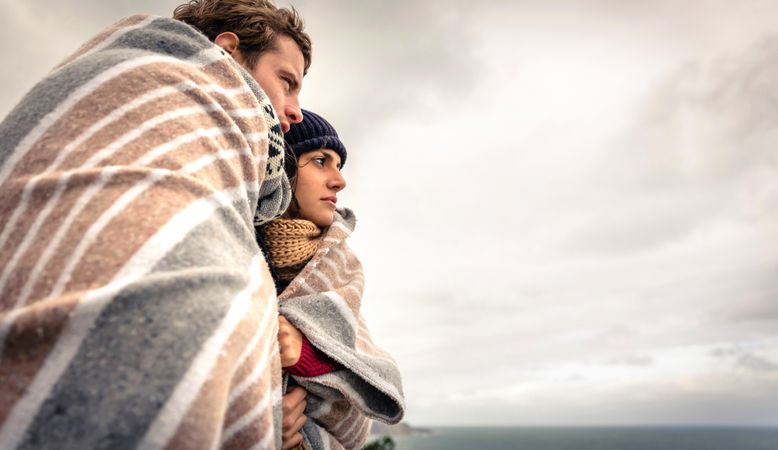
x,y
323,339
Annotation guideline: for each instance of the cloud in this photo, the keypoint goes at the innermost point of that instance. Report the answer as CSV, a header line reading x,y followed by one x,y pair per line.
x,y
753,362
673,389
631,360
709,122
745,359
755,309
718,119
394,60
36,36
700,154
550,200
632,245
763,311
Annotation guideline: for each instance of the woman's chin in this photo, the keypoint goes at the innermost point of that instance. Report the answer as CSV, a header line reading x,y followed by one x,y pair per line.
x,y
324,220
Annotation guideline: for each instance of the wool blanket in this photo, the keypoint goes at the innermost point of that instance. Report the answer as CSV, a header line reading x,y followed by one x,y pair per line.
x,y
323,301
136,309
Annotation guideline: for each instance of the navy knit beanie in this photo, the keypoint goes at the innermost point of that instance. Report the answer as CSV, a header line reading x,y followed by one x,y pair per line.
x,y
314,133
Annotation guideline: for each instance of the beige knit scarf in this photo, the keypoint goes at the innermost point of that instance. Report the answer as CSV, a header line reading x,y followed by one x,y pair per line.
x,y
291,243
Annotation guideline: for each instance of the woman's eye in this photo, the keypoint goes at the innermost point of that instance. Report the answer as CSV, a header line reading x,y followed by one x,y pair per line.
x,y
320,160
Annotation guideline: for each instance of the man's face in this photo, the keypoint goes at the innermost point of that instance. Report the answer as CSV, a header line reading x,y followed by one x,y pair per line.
x,y
280,74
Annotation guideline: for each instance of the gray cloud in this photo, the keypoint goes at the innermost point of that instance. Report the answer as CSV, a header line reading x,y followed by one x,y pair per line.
x,y
714,120
738,294
700,153
645,222
763,311
394,59
712,401
756,363
745,359
516,250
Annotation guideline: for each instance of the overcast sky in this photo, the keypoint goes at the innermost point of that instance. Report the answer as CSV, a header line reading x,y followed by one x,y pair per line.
x,y
568,211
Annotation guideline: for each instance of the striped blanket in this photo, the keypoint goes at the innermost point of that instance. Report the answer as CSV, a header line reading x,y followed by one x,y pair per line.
x,y
136,310
323,302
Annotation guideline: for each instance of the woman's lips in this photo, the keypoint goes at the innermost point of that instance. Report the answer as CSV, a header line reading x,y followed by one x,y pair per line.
x,y
331,200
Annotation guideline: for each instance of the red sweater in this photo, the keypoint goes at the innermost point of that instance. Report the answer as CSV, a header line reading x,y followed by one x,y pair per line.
x,y
312,362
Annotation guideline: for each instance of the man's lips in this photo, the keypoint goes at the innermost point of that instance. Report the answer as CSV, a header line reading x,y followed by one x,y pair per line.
x,y
285,127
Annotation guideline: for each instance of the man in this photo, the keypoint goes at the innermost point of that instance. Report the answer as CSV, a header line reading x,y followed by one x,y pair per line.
x,y
277,56
136,310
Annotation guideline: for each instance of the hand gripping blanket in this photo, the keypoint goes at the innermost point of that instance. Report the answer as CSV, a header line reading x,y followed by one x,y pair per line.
x,y
136,310
323,302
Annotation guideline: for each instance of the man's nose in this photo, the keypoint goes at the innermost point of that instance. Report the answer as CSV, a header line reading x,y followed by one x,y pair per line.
x,y
294,113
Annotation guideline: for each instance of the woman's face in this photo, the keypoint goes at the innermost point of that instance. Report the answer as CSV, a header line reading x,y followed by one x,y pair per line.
x,y
318,182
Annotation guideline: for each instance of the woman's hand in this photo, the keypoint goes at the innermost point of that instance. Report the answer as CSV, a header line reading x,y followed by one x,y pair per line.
x,y
290,342
293,407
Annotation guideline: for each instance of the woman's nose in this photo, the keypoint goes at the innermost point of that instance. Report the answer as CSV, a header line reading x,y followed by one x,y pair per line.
x,y
338,182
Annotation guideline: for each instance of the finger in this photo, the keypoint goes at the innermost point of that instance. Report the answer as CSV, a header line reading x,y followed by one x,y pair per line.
x,y
298,410
291,399
285,334
295,428
300,422
283,348
290,404
291,418
282,322
283,329
291,441
287,355
297,394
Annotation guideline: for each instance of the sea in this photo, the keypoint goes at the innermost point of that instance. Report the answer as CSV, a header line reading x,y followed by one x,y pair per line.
x,y
592,438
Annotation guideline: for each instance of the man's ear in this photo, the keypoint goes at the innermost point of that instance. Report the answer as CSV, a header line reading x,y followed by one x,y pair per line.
x,y
229,42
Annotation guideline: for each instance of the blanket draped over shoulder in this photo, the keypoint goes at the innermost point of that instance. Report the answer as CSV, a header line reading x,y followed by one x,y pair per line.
x,y
323,302
136,309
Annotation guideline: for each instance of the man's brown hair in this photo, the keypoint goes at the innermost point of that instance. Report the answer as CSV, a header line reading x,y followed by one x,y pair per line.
x,y
257,23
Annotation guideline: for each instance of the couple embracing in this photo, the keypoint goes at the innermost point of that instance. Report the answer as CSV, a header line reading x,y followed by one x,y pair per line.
x,y
174,270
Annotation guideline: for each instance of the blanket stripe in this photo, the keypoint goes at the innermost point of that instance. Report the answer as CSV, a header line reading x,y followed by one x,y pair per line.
x,y
136,310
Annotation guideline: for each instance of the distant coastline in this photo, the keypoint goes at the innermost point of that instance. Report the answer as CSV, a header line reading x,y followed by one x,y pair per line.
x,y
404,429
711,437
401,429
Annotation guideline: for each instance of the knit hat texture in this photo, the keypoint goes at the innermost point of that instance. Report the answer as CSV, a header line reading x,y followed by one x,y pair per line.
x,y
314,133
